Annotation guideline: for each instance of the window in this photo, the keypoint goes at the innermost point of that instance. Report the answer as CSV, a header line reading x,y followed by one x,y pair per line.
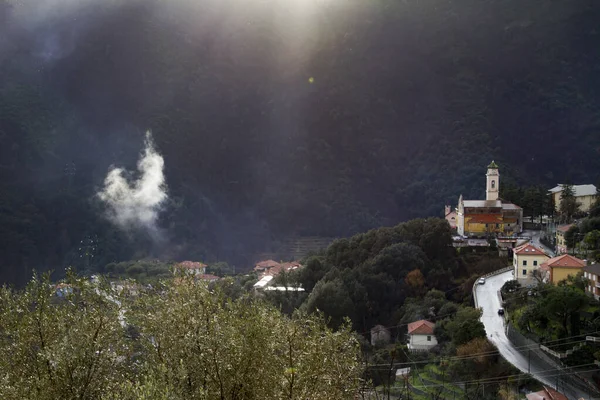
x,y
429,338
493,184
524,272
524,263
534,263
497,225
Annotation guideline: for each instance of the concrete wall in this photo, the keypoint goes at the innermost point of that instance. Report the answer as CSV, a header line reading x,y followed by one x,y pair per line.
x,y
421,342
558,273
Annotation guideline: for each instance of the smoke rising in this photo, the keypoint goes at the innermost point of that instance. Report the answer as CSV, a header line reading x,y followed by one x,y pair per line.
x,y
137,202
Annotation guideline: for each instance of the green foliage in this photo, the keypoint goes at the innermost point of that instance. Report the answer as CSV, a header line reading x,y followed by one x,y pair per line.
x,y
562,304
569,206
180,341
510,287
208,347
465,326
70,348
371,274
333,299
581,356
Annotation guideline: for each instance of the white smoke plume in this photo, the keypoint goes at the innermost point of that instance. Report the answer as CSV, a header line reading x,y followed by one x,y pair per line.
x,y
137,203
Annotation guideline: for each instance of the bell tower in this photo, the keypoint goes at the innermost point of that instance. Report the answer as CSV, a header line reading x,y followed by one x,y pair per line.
x,y
493,182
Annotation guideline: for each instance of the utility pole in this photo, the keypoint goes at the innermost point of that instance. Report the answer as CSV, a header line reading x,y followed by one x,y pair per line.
x,y
529,361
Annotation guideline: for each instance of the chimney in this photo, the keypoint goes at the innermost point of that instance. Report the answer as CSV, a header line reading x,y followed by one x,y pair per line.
x,y
447,210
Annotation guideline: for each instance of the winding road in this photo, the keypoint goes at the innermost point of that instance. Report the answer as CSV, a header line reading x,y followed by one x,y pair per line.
x,y
487,299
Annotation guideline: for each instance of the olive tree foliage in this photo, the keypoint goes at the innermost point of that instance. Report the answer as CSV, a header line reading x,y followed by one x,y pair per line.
x,y
198,344
179,340
72,347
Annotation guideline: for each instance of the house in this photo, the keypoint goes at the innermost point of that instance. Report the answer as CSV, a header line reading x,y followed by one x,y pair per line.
x,y
264,267
450,216
489,217
546,394
561,244
290,266
592,274
63,289
273,268
526,259
207,277
190,267
380,335
585,195
420,335
562,267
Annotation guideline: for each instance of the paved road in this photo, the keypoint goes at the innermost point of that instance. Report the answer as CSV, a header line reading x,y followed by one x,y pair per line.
x,y
487,298
535,239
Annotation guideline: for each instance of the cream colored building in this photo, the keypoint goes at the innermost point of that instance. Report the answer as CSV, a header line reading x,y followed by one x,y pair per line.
x,y
420,335
526,259
592,274
585,195
562,246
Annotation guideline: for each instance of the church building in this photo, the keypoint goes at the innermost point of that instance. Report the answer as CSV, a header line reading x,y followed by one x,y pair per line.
x,y
489,217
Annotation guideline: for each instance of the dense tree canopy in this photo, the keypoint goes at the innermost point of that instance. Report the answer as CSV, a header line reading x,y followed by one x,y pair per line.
x,y
279,120
176,341
392,275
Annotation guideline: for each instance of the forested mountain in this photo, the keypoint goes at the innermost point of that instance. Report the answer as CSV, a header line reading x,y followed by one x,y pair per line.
x,y
280,118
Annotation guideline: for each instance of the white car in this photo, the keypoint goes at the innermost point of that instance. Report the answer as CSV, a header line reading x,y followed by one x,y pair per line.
x,y
481,281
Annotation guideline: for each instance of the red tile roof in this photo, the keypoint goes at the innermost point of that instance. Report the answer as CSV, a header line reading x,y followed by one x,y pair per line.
x,y
529,249
421,327
547,394
190,265
265,265
564,228
291,265
565,261
276,269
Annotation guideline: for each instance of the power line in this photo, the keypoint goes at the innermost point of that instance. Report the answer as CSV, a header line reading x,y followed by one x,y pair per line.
x,y
500,379
495,352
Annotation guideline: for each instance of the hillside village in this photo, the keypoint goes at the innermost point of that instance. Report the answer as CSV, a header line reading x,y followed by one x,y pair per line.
x,y
538,254
515,270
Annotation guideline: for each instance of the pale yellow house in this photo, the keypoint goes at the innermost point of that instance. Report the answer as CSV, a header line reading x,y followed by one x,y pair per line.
x,y
526,259
562,246
585,195
561,267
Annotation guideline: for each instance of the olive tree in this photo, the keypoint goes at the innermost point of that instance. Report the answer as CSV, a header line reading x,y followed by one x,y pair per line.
x,y
60,347
198,344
